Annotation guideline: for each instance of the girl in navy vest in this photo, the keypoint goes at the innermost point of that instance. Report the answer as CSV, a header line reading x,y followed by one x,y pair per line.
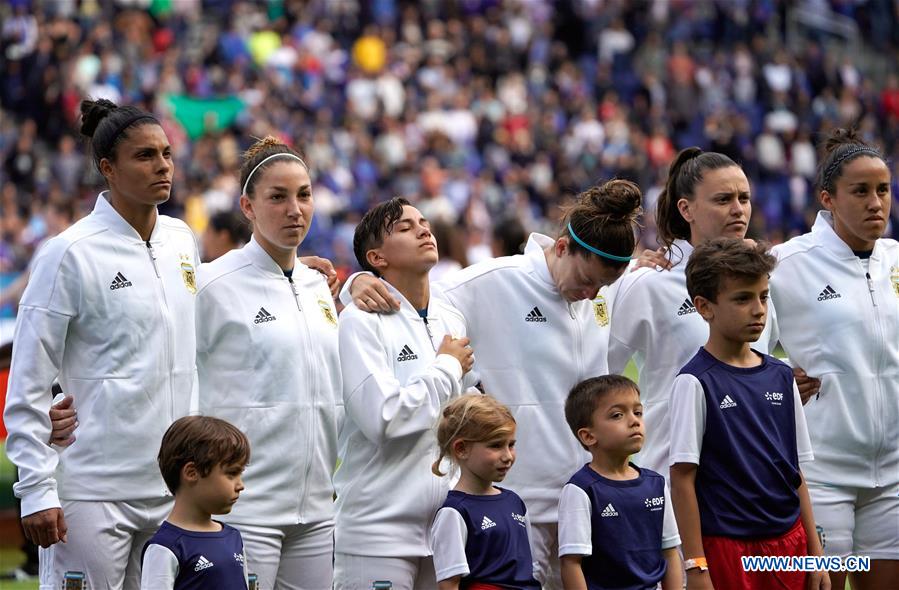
x,y
481,535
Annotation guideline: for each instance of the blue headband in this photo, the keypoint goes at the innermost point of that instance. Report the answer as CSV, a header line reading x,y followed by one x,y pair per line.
x,y
596,251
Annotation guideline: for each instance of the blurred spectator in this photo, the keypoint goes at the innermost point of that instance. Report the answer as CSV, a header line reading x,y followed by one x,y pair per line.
x,y
226,231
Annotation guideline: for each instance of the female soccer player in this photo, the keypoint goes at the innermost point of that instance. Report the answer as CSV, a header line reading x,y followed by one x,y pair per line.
x,y
109,311
268,363
653,320
837,293
537,331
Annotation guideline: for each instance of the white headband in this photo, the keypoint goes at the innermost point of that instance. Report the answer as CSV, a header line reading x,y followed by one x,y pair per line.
x,y
285,154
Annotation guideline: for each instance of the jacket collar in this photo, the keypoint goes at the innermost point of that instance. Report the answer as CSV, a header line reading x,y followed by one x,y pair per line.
x,y
261,259
681,250
824,234
108,216
533,251
407,308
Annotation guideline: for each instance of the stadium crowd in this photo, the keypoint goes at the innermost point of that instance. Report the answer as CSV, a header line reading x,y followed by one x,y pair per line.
x,y
477,110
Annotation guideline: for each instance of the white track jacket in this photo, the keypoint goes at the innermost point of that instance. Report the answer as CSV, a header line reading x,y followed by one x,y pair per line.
x,y
268,363
654,321
532,347
113,318
394,386
843,327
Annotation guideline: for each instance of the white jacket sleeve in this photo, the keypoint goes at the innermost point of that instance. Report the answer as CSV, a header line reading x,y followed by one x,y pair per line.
x,y
381,406
630,324
50,302
774,334
345,296
160,568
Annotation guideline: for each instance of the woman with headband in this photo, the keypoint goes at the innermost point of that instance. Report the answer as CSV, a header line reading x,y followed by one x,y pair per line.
x,y
837,294
109,312
268,363
538,331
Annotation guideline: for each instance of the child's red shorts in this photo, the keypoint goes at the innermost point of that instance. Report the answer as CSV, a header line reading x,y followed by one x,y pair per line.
x,y
726,568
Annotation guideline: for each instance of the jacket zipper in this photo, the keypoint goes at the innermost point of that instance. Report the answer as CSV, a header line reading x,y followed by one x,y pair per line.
x,y
430,335
301,507
877,389
577,345
169,360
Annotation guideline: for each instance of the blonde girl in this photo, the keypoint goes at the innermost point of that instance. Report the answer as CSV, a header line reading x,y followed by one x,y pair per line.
x,y
481,535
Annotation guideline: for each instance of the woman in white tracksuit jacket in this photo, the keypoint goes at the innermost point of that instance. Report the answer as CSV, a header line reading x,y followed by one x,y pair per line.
x,y
837,293
538,330
653,320
398,372
268,363
109,311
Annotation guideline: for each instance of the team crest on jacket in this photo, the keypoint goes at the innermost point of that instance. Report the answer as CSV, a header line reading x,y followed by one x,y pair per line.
x,y
327,312
600,311
188,275
894,277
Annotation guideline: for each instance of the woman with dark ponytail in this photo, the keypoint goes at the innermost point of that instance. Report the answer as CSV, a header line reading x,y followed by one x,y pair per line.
x,y
538,329
109,312
706,196
837,294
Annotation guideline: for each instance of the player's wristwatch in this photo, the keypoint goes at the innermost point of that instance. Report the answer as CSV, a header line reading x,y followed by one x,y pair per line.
x,y
699,563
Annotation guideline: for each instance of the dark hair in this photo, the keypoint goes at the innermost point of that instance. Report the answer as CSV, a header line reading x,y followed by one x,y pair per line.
x,y
584,397
107,124
235,225
721,258
685,172
510,235
604,217
374,225
259,151
842,146
203,440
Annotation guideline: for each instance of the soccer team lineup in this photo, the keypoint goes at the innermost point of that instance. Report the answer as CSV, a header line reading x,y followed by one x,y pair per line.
x,y
251,422
449,294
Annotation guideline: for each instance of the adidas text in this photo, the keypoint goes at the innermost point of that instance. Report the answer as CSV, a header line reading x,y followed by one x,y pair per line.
x,y
686,307
119,282
609,510
727,402
535,316
487,523
406,354
263,316
828,293
202,564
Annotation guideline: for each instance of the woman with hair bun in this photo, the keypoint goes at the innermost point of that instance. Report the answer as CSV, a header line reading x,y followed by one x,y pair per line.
x,y
538,329
837,293
268,363
109,312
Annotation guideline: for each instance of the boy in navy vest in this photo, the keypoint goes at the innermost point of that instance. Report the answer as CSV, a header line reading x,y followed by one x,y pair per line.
x,y
201,460
738,434
616,526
